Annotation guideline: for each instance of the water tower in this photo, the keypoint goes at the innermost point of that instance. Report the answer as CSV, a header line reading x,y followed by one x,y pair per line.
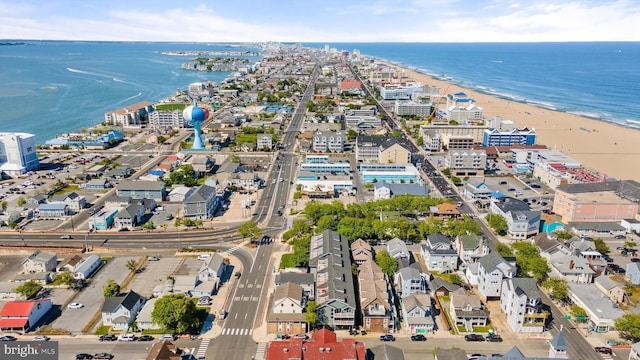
x,y
196,115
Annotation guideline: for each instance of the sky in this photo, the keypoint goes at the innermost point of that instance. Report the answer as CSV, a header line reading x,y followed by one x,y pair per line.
x,y
322,21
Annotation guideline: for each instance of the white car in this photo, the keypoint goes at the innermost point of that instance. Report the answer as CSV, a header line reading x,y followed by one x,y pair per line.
x,y
65,237
75,306
166,337
127,337
41,338
203,257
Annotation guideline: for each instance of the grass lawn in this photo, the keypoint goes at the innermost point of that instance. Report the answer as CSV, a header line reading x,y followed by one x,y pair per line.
x,y
287,261
171,106
103,330
67,189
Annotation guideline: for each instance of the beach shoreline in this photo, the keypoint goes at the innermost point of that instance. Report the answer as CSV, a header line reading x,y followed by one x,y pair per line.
x,y
605,147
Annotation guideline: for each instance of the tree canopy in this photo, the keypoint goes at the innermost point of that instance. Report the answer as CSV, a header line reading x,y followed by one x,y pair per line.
x,y
629,326
250,230
498,223
111,289
387,263
28,288
311,317
176,313
558,288
529,261
185,175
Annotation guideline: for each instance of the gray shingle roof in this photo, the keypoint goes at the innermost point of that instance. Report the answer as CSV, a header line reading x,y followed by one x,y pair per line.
x,y
200,194
491,261
300,279
128,185
511,204
128,301
595,226
335,249
527,286
558,342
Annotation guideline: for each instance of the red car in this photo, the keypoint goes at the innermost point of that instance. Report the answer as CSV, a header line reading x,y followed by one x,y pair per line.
x,y
603,350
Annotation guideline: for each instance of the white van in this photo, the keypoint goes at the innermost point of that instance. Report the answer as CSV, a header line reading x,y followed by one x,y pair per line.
x,y
203,257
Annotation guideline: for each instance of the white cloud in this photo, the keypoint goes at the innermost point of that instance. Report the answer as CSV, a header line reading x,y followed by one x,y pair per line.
x,y
391,20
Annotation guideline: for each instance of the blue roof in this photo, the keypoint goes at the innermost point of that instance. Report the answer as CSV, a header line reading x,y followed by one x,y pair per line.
x,y
498,195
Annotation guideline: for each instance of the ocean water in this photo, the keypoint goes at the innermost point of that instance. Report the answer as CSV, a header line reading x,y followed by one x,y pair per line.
x,y
53,87
599,80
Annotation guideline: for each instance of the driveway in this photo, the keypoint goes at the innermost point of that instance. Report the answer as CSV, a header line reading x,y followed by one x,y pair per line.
x,y
155,273
91,297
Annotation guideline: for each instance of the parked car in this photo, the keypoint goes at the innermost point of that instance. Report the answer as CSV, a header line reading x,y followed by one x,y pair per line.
x,y
153,258
473,337
127,337
83,356
65,237
203,257
166,337
494,338
75,306
41,338
145,338
103,356
8,338
387,337
634,260
204,301
418,337
301,336
619,237
603,350
108,337
238,274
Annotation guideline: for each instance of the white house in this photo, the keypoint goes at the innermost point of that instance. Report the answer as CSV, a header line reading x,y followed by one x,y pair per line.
x,y
470,248
492,268
144,320
438,254
417,313
119,312
601,312
397,249
572,268
88,266
520,301
212,269
40,261
467,310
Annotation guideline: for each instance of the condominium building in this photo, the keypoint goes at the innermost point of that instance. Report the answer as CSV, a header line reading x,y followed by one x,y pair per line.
x,y
18,153
134,115
397,91
412,108
460,107
381,149
495,137
520,301
476,131
466,162
167,118
328,141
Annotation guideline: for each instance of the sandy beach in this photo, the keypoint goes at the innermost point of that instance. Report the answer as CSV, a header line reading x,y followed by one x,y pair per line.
x,y
607,148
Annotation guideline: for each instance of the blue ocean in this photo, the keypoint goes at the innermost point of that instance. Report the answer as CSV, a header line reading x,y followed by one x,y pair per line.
x,y
53,87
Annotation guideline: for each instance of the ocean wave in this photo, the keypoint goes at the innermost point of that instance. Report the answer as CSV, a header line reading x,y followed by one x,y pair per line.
x,y
542,104
89,73
587,114
131,97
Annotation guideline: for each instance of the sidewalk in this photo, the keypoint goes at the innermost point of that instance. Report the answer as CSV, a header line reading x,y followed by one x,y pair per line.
x,y
260,331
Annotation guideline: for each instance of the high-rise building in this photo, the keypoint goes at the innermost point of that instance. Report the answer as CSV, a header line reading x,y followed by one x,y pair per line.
x,y
18,153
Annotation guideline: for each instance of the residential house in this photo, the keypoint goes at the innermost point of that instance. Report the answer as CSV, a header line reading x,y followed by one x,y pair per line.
x,y
632,274
330,262
467,310
613,290
97,184
328,141
475,189
201,203
129,217
40,261
165,350
264,141
375,297
42,278
492,268
601,311
444,211
286,314
441,287
178,194
397,249
142,189
361,251
323,344
520,301
306,281
408,280
549,246
202,164
35,201
587,250
521,221
470,248
450,354
54,210
21,316
87,268
144,320
120,312
417,314
243,180
76,202
213,269
438,254
572,268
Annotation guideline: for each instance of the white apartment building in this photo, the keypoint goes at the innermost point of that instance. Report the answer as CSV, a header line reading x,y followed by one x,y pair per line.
x,y
18,153
332,141
167,118
413,108
264,141
466,162
520,301
492,268
476,131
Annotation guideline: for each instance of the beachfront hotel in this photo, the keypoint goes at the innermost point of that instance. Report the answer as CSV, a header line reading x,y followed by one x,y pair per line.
x,y
495,137
18,153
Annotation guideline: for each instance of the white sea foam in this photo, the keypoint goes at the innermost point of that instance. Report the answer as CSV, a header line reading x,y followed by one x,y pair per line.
x,y
131,97
587,114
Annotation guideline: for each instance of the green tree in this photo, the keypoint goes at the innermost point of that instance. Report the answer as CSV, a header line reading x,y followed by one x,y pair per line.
x,y
4,205
630,244
387,263
564,235
148,225
529,261
351,135
601,246
111,289
65,278
504,250
629,326
498,223
311,317
558,288
132,265
249,230
176,313
577,311
420,141
446,172
28,288
21,201
455,279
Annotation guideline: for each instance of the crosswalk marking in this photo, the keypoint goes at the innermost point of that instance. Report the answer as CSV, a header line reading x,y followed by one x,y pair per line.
x,y
202,349
237,332
260,351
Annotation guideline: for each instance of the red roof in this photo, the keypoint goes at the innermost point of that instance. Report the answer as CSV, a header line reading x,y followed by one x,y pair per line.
x,y
322,346
13,323
17,308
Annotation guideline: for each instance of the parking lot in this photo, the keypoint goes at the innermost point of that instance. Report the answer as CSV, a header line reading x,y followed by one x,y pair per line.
x,y
11,265
155,273
91,297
